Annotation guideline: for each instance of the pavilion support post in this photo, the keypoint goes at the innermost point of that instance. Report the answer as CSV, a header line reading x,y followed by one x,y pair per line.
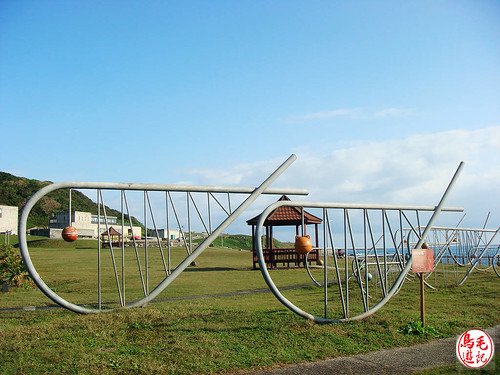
x,y
271,250
317,243
254,255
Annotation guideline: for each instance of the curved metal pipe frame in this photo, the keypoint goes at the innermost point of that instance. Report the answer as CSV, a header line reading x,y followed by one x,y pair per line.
x,y
496,262
342,206
254,193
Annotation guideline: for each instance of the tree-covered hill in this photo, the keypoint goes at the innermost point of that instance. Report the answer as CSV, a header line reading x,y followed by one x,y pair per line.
x,y
15,191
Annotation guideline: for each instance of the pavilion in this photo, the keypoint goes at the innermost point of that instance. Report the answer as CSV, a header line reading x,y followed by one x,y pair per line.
x,y
285,216
111,236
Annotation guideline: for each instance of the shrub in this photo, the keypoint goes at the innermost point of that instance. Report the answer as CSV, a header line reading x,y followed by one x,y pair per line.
x,y
12,268
416,328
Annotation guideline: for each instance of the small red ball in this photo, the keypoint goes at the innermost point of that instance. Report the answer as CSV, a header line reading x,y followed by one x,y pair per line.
x,y
69,234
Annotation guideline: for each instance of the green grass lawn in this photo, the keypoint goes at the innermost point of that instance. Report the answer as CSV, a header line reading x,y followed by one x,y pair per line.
x,y
214,318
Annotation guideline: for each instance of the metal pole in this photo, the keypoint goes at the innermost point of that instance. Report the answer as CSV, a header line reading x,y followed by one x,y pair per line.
x,y
167,224
336,265
422,299
137,257
346,265
325,266
209,215
303,221
146,260
198,212
189,224
99,249
111,252
367,296
385,250
220,204
178,223
158,241
123,247
69,208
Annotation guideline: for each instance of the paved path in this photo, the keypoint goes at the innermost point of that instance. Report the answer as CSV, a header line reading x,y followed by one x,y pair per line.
x,y
391,361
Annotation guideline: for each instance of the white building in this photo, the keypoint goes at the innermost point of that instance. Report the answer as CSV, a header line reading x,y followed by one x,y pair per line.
x,y
9,219
87,224
165,234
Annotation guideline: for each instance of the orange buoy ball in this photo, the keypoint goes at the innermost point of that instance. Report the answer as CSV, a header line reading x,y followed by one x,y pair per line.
x,y
69,234
303,244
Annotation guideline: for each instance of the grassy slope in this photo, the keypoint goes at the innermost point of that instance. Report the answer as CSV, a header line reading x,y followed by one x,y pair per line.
x,y
243,241
217,334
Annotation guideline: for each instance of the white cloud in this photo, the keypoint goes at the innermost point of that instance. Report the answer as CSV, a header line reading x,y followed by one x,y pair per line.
x,y
412,170
393,112
234,175
351,113
341,112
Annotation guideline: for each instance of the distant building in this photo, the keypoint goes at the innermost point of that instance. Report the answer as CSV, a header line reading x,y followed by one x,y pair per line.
x,y
87,225
9,219
170,234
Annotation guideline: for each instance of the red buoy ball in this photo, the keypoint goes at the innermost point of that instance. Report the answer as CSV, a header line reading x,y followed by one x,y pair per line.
x,y
69,234
303,244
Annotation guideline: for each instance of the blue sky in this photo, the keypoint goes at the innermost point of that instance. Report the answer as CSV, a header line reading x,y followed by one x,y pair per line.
x,y
374,97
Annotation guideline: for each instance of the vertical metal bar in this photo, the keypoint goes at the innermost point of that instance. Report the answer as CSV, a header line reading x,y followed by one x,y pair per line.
x,y
480,235
418,223
422,299
484,225
366,261
178,223
209,215
123,246
377,262
220,204
356,261
198,212
156,233
137,257
189,225
396,246
112,253
99,249
336,265
303,221
402,237
167,228
325,266
385,249
69,207
229,203
146,260
346,265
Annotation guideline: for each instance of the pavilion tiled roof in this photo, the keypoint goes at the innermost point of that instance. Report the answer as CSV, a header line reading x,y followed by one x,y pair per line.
x,y
286,215
112,232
